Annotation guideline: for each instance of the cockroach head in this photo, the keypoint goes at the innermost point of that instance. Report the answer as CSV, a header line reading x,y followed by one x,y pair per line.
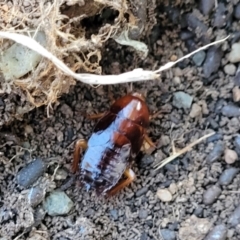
x,y
139,95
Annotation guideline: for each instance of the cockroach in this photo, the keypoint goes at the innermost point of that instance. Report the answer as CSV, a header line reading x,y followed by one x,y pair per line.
x,y
116,140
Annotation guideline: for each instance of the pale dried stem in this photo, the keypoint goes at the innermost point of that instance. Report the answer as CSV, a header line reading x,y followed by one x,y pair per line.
x,y
135,75
180,152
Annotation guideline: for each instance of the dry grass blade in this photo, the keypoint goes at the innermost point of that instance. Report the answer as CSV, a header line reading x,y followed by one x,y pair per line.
x,y
182,151
136,75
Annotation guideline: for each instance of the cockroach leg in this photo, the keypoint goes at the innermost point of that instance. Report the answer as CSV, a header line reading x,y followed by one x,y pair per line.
x,y
149,141
80,145
96,116
130,176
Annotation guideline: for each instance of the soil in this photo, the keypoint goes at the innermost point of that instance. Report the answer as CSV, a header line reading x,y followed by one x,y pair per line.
x,y
203,185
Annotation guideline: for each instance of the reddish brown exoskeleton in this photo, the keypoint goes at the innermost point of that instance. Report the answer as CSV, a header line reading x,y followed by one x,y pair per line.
x,y
116,140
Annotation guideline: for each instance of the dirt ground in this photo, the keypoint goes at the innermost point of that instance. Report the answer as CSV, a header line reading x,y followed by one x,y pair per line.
x,y
200,189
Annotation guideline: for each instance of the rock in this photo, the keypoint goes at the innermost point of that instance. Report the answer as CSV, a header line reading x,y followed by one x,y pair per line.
x,y
30,173
237,144
146,160
35,196
198,211
234,55
211,194
214,137
18,60
212,61
236,12
164,195
193,22
219,232
141,191
66,110
182,100
231,111
57,203
220,18
230,156
186,34
194,228
114,214
61,174
167,234
230,69
234,218
236,94
143,213
216,153
144,236
28,129
59,136
173,188
228,175
195,111
198,58
206,6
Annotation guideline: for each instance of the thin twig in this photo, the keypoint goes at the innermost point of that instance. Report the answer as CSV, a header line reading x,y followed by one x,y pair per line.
x,y
182,151
135,75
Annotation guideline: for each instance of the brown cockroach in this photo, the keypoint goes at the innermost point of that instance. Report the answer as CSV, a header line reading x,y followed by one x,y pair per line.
x,y
116,140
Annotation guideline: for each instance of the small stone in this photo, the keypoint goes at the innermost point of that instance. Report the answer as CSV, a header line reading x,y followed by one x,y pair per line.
x,y
236,12
231,111
228,175
212,61
186,34
216,153
60,136
114,214
211,194
182,100
28,129
164,195
143,213
219,232
176,80
35,196
230,69
195,111
144,236
215,137
61,174
168,234
220,18
198,58
173,188
141,191
30,173
57,203
230,156
234,218
234,55
147,160
206,6
173,58
66,110
194,228
236,94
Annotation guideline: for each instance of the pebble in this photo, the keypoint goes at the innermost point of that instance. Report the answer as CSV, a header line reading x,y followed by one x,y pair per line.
x,y
182,100
237,144
186,34
114,214
206,6
234,218
143,213
212,61
167,234
219,232
35,196
194,228
164,195
216,153
28,129
231,111
228,175
220,18
173,188
61,174
141,191
236,94
144,236
60,136
230,156
211,194
30,173
230,69
198,58
146,160
66,110
193,22
57,203
195,111
236,12
198,211
215,137
234,55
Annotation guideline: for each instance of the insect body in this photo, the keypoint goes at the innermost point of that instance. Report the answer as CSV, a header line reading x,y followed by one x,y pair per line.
x,y
116,139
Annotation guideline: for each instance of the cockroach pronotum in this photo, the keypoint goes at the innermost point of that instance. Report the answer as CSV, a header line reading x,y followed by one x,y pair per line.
x,y
116,140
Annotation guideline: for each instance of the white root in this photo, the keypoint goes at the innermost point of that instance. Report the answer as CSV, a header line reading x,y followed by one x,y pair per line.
x,y
135,75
